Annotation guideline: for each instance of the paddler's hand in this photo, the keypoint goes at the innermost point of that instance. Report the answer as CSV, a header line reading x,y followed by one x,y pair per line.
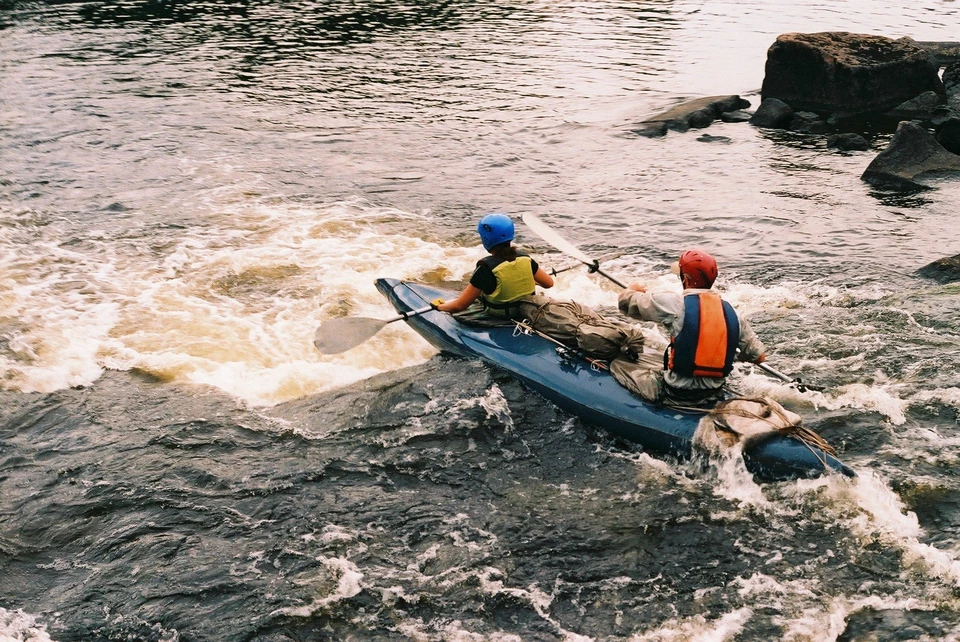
x,y
436,303
636,287
761,358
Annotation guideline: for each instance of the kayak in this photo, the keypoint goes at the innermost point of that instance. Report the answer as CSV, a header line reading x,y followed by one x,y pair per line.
x,y
590,393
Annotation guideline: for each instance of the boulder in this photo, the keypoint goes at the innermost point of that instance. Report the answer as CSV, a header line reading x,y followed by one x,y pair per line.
x,y
701,118
951,79
847,73
807,122
848,142
696,113
951,83
772,113
736,116
912,151
946,270
652,130
948,135
942,53
707,138
923,107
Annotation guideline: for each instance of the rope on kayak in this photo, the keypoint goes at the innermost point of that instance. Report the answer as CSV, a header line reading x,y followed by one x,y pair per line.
x,y
522,327
794,429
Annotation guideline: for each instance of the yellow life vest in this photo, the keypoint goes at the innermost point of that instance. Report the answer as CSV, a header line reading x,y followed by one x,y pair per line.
x,y
514,280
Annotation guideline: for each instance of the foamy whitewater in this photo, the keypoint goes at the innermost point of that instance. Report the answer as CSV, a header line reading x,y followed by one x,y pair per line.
x,y
188,192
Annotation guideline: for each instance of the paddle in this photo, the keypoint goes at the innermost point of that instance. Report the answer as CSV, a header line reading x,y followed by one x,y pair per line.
x,y
574,266
341,334
802,387
549,235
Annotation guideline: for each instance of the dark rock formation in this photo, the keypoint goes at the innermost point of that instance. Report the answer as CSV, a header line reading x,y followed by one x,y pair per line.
x,y
951,83
946,270
951,78
696,113
847,73
912,151
736,116
948,135
707,138
652,130
772,113
701,118
923,107
942,53
807,122
848,142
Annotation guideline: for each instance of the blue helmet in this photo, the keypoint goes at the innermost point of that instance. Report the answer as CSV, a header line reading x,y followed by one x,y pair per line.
x,y
495,229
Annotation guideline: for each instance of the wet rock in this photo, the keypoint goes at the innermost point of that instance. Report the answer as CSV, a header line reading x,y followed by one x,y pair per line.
x,y
948,135
951,83
736,116
697,113
707,138
701,118
942,53
652,130
848,142
945,270
848,73
923,107
951,79
772,113
807,122
912,151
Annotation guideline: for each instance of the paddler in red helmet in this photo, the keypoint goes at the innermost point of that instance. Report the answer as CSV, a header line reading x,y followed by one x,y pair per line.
x,y
705,333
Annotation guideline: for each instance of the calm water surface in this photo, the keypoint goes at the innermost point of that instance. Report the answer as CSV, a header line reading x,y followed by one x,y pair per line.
x,y
186,192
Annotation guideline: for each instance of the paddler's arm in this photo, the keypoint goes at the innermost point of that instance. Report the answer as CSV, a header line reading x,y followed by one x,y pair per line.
x,y
750,346
636,303
470,294
543,279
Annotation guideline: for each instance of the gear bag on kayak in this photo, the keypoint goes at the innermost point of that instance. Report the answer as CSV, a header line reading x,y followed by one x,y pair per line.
x,y
581,327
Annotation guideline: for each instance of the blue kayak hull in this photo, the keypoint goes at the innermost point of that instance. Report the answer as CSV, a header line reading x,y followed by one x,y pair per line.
x,y
592,395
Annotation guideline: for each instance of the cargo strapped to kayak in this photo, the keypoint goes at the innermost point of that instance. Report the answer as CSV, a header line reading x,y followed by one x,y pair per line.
x,y
562,349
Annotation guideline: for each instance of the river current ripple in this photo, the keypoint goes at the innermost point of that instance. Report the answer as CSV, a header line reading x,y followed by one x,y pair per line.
x,y
188,189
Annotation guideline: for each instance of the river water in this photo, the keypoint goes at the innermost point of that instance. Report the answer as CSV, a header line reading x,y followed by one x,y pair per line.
x,y
186,192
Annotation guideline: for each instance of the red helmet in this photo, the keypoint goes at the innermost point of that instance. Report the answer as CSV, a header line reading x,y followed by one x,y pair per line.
x,y
699,268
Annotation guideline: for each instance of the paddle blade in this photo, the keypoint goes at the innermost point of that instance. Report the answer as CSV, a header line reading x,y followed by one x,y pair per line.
x,y
547,233
338,335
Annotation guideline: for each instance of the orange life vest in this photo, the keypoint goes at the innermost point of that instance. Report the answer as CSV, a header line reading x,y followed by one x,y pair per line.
x,y
707,342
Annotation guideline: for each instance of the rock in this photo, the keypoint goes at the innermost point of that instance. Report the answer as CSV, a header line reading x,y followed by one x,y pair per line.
x,y
652,130
948,135
912,151
942,53
736,116
807,122
707,138
951,79
701,118
951,83
772,113
923,107
696,113
847,73
946,270
848,142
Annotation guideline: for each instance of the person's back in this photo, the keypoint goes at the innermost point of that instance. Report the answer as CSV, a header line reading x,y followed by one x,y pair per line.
x,y
705,332
503,279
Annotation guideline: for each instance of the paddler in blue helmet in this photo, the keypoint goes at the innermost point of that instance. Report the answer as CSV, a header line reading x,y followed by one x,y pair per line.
x,y
706,333
502,279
